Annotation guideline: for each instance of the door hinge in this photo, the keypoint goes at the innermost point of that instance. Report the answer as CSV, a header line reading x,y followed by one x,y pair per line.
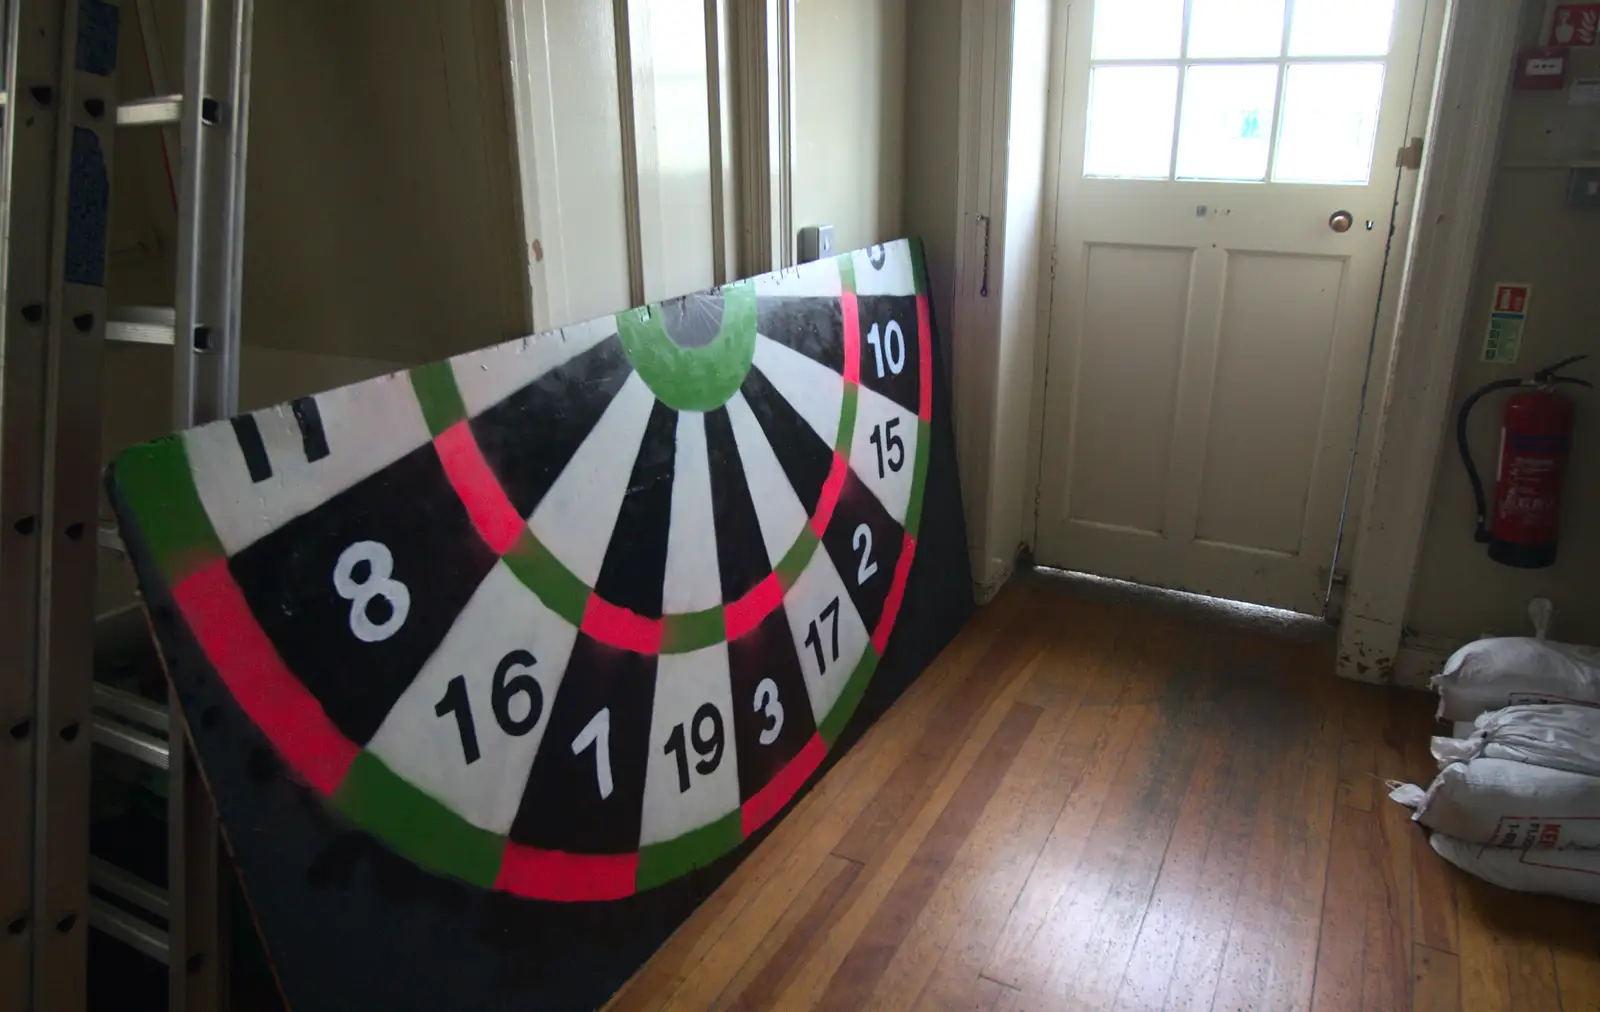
x,y
1409,156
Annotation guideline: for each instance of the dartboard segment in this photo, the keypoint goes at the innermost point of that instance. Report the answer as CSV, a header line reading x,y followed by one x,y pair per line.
x,y
883,451
829,635
466,730
691,794
353,600
865,542
529,437
691,592
259,471
486,378
626,603
585,792
774,730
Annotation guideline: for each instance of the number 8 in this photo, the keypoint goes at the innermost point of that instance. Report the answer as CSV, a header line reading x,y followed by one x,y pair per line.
x,y
378,583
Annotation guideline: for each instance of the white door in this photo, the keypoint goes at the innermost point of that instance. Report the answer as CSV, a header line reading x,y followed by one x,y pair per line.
x,y
1209,324
622,151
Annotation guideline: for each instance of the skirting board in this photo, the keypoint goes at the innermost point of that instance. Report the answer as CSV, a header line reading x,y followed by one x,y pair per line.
x,y
1420,658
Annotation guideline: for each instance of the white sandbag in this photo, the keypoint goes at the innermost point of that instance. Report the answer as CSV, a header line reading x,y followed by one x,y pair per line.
x,y
1559,736
1512,804
1571,873
1495,673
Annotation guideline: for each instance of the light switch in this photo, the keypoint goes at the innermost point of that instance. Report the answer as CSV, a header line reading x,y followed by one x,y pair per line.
x,y
816,242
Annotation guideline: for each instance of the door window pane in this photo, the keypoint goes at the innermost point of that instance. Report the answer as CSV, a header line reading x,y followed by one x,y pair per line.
x,y
1341,27
1137,29
1227,121
1330,116
1233,28
1130,121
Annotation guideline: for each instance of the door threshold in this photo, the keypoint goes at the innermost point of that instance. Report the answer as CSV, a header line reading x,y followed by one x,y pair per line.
x,y
1241,614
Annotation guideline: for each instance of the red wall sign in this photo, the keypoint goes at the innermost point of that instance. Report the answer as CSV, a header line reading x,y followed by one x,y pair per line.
x,y
1575,24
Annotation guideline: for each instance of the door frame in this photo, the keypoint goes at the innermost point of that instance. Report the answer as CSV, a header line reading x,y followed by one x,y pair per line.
x,y
1417,382
1413,355
749,67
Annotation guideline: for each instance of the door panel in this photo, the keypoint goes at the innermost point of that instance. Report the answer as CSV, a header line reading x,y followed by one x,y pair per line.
x,y
1133,327
1272,363
1209,325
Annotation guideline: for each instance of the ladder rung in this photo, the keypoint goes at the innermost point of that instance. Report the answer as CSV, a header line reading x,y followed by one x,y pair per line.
x,y
128,886
128,929
146,748
158,111
109,538
142,324
129,707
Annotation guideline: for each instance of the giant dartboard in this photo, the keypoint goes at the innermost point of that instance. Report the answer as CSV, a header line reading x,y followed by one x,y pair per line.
x,y
571,616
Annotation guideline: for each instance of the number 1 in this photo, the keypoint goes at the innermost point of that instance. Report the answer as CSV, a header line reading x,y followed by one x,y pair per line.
x,y
598,733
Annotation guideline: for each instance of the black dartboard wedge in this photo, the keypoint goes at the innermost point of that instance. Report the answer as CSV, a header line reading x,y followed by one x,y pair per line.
x,y
554,628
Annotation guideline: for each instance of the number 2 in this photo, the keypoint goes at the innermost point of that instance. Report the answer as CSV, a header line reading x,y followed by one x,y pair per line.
x,y
766,704
861,542
882,434
892,344
598,733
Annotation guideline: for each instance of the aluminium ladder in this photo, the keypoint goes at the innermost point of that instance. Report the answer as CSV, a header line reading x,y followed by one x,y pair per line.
x,y
59,107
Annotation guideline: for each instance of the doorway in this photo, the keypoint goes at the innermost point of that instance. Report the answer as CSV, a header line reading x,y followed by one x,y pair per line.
x,y
1227,185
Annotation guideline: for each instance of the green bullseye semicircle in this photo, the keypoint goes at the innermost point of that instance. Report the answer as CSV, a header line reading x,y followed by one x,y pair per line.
x,y
693,379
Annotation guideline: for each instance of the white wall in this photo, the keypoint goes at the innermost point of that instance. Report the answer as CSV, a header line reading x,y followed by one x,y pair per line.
x,y
849,109
1531,237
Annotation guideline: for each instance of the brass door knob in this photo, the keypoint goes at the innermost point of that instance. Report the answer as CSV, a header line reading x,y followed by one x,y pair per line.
x,y
1340,221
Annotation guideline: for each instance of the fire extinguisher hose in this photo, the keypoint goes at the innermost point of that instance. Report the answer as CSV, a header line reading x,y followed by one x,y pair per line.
x,y
1481,532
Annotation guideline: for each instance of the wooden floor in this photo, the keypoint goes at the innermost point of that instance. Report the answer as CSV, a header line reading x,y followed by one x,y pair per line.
x,y
1089,804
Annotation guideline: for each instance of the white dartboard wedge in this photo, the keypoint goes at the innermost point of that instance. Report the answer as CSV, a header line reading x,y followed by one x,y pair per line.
x,y
883,450
470,743
811,388
487,377
692,778
577,516
894,276
692,581
778,510
829,636
366,427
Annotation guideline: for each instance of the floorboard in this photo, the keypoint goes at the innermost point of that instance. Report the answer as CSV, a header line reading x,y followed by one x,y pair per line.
x,y
1087,803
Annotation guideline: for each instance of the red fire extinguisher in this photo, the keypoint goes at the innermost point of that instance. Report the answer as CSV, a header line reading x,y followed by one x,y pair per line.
x,y
1535,438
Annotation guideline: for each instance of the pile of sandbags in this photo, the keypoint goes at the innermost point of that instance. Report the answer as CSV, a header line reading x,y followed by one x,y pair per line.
x,y
1517,798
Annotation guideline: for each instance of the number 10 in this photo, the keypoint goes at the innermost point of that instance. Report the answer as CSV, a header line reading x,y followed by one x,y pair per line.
x,y
891,345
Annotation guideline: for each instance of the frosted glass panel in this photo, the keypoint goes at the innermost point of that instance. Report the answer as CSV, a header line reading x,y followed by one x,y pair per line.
x,y
1227,122
1130,121
1137,29
1341,27
1233,28
1330,115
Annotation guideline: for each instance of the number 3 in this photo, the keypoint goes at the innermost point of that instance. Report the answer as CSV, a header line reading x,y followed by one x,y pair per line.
x,y
377,584
766,704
